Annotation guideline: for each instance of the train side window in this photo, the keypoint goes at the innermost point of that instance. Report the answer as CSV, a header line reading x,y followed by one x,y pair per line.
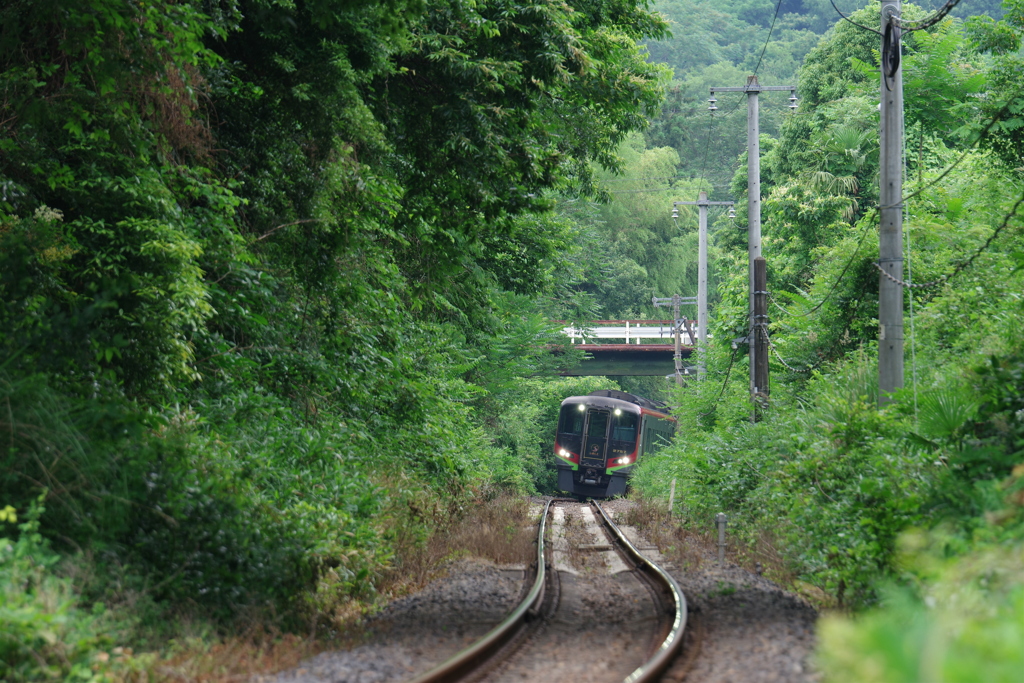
x,y
571,421
624,428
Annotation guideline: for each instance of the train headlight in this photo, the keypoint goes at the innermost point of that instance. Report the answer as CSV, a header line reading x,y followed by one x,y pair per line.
x,y
618,411
582,407
564,453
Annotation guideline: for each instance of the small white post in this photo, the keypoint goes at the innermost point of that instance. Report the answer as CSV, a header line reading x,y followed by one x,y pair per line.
x,y
671,496
627,331
721,521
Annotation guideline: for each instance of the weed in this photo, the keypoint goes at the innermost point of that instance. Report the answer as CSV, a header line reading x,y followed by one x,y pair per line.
x,y
681,544
723,589
575,536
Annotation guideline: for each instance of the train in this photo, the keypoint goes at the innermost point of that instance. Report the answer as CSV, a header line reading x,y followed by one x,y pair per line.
x,y
601,436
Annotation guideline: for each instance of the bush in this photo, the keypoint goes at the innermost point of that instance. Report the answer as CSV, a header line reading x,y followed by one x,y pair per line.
x,y
44,634
957,616
834,479
221,526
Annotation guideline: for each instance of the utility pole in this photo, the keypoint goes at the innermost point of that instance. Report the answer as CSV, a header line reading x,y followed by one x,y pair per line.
x,y
890,200
753,88
760,336
702,273
676,301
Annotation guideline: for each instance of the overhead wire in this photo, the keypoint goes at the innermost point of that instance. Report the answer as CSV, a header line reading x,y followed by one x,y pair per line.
x,y
890,65
770,30
995,119
647,189
661,177
707,144
700,184
909,262
725,383
868,223
930,21
963,265
919,26
866,28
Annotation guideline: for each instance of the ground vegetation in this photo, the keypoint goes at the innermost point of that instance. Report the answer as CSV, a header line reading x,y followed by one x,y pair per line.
x,y
905,518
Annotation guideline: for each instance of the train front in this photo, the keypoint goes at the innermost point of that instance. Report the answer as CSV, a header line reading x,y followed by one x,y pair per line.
x,y
596,445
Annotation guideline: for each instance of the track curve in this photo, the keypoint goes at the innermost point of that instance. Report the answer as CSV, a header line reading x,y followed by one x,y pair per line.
x,y
516,650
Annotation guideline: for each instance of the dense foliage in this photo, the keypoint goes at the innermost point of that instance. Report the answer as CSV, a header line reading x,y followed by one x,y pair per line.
x,y
912,510
279,282
269,268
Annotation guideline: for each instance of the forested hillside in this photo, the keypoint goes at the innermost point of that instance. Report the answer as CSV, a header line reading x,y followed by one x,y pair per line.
x,y
280,281
641,253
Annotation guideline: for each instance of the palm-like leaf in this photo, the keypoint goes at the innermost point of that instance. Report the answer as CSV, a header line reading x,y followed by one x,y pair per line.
x,y
945,411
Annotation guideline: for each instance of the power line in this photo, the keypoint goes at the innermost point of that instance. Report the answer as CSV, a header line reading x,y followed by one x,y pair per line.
x,y
930,21
868,223
866,28
919,26
707,143
984,131
664,177
981,135
963,265
707,146
789,367
634,191
770,30
725,383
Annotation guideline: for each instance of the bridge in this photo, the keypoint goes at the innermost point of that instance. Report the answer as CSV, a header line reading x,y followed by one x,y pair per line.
x,y
629,347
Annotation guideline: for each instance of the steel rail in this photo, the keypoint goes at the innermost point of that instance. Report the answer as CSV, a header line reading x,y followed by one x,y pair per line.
x,y
653,667
462,662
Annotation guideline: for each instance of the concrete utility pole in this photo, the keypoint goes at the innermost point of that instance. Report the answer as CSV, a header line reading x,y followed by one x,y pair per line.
x,y
676,301
760,336
753,88
890,200
702,274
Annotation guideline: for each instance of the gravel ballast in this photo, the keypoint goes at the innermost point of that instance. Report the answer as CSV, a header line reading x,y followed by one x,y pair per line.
x,y
416,632
754,631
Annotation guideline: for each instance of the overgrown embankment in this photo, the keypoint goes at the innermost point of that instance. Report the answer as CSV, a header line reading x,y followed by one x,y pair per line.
x,y
909,516
268,275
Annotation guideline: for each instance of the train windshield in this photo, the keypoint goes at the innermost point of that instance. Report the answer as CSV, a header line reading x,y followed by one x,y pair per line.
x,y
598,424
571,420
624,428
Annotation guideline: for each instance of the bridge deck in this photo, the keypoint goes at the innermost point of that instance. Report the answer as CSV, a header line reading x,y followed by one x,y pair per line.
x,y
654,360
635,355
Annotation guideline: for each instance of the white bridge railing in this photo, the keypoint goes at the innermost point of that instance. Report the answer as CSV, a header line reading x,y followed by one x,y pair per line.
x,y
630,331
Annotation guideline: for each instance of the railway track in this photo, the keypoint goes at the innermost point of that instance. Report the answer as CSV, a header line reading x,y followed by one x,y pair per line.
x,y
595,608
